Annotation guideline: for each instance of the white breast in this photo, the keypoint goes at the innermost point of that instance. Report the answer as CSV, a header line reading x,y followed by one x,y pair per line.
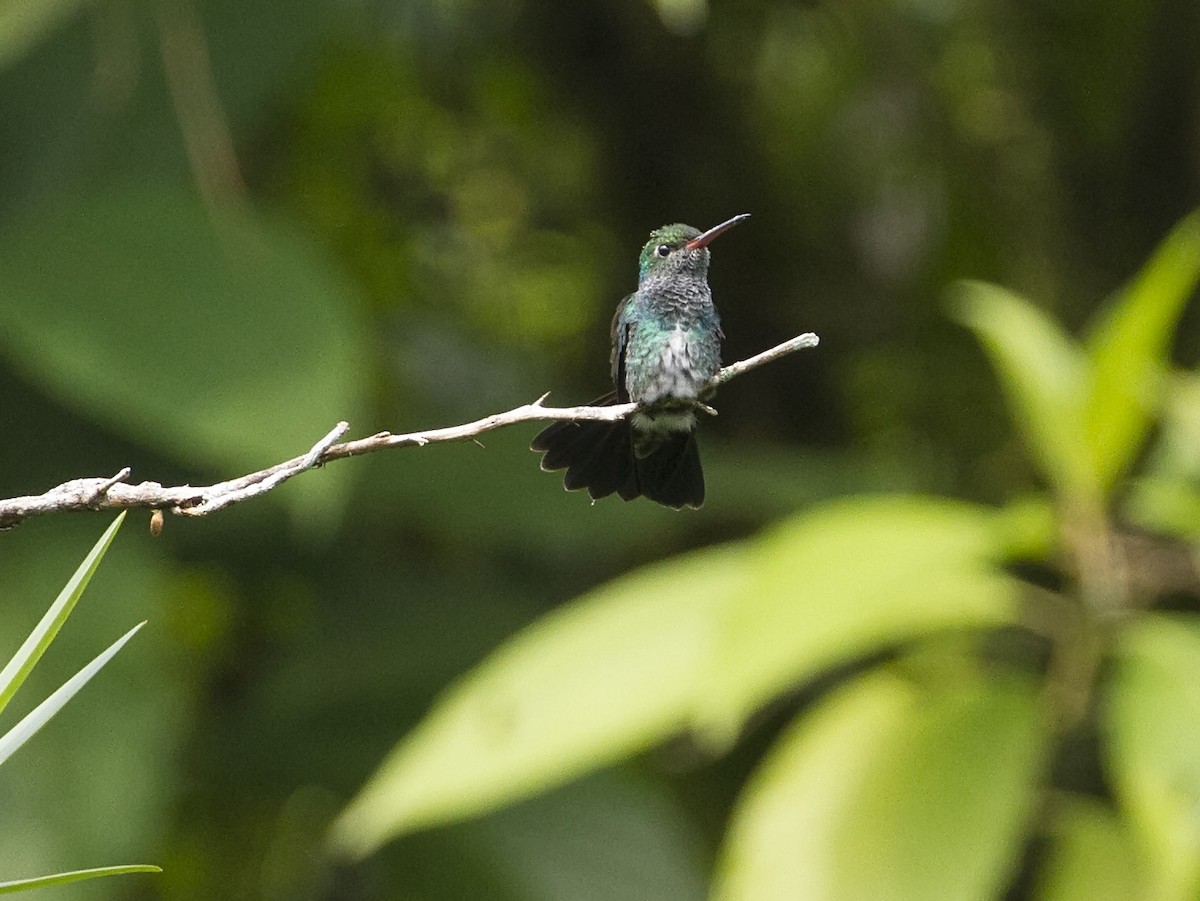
x,y
678,376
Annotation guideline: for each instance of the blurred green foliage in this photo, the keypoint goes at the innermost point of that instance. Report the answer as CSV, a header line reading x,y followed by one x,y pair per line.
x,y
919,775
225,226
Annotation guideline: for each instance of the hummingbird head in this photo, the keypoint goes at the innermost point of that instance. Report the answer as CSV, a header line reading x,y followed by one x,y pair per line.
x,y
680,250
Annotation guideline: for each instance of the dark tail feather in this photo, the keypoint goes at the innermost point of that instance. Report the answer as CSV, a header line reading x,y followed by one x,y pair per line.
x,y
671,475
597,456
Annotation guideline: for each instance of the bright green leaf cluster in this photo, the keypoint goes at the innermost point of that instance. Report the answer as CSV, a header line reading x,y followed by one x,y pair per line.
x,y
1085,409
702,641
922,776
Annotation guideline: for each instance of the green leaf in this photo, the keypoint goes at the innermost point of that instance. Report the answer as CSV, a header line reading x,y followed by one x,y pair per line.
x,y
1129,350
1164,505
890,790
220,337
31,651
76,876
610,674
1045,377
777,842
40,715
849,579
1153,730
703,640
1166,499
1091,855
1027,529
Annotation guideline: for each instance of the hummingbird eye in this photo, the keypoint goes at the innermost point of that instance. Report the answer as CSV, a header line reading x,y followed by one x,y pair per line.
x,y
663,250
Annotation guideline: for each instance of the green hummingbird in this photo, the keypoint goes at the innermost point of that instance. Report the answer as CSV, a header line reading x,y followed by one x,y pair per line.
x,y
666,347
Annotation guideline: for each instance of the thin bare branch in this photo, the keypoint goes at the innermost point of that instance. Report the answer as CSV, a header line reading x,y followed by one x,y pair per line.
x,y
113,493
733,370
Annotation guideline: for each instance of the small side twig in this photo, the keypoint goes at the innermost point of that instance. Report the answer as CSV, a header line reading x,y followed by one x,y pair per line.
x,y
103,488
226,493
113,493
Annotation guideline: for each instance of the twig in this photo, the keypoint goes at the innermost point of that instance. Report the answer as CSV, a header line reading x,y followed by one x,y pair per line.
x,y
112,493
104,486
733,370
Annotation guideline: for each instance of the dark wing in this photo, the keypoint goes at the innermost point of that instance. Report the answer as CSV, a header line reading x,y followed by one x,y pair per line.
x,y
620,334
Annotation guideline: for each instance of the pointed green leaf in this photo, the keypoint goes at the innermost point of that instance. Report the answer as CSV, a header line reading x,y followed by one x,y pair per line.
x,y
40,715
1129,350
893,791
608,675
30,652
1091,856
849,579
1045,377
1153,730
21,885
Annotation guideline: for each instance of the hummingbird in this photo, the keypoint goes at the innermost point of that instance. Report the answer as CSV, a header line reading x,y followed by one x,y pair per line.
x,y
666,348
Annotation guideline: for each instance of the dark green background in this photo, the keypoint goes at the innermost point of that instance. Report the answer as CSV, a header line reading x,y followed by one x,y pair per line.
x,y
438,206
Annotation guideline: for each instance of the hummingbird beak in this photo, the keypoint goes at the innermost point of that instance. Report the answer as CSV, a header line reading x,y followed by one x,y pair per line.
x,y
704,239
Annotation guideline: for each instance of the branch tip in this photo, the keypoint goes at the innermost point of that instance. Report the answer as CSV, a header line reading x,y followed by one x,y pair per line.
x,y
107,484
313,457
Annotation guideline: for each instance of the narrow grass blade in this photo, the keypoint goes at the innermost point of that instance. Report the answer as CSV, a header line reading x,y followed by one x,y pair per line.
x,y
40,715
27,656
75,876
